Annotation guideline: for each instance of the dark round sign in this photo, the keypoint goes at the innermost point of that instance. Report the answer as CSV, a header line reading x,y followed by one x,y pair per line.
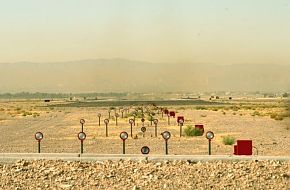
x,y
106,121
143,129
82,121
82,136
99,115
166,135
39,136
145,150
209,135
131,121
142,119
155,121
123,135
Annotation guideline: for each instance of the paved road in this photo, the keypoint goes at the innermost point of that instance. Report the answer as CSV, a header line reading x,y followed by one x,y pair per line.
x,y
13,157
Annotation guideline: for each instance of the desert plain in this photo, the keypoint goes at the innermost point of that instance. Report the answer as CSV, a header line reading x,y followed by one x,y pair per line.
x,y
264,121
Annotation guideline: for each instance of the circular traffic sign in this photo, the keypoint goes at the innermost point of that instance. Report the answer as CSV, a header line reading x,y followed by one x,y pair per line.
x,y
123,135
116,114
106,121
82,136
180,121
99,115
142,119
82,121
39,136
166,135
131,121
209,135
145,150
143,129
155,121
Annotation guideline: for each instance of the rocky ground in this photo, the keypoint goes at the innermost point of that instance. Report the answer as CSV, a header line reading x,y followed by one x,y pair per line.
x,y
45,174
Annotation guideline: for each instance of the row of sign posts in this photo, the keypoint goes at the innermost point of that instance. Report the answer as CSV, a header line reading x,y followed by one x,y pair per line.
x,y
124,136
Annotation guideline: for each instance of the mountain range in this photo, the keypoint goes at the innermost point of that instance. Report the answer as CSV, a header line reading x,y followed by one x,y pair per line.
x,y
121,75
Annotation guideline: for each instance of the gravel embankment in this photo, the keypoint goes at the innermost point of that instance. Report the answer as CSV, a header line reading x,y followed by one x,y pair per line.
x,y
47,174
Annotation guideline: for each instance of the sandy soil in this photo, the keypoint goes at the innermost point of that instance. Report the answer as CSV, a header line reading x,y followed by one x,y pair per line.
x,y
20,120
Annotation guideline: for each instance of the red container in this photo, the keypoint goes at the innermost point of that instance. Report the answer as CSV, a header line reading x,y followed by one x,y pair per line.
x,y
243,147
180,117
236,150
172,114
200,127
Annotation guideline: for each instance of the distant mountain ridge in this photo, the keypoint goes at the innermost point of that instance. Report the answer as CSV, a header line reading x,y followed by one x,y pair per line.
x,y
120,75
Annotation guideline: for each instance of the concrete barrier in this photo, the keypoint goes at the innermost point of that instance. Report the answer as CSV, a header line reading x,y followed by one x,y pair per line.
x,y
13,157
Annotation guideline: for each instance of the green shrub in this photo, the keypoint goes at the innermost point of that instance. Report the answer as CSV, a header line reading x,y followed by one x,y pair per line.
x,y
200,108
228,140
191,131
17,109
278,117
273,115
256,113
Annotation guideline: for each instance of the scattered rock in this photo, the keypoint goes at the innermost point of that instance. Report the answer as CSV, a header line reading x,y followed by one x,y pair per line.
x,y
45,174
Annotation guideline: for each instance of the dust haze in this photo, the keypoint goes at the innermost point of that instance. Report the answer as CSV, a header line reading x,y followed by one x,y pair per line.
x,y
121,75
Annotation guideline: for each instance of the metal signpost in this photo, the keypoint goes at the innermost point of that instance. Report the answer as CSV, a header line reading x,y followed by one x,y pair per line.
x,y
99,116
38,136
106,121
82,122
116,115
131,121
124,136
151,119
109,111
166,135
180,122
143,129
143,120
155,121
209,135
82,136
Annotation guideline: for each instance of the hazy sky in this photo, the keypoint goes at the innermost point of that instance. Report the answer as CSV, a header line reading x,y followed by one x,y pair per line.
x,y
212,31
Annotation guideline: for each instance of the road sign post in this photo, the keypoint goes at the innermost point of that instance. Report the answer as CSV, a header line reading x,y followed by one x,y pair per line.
x,y
106,121
82,136
166,135
82,122
155,121
131,121
38,136
124,136
209,136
